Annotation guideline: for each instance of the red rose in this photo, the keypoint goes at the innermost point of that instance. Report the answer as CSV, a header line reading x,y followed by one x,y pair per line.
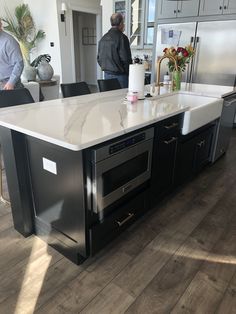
x,y
165,50
180,49
185,53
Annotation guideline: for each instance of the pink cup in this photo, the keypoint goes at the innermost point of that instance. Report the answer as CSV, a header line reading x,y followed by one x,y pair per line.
x,y
132,97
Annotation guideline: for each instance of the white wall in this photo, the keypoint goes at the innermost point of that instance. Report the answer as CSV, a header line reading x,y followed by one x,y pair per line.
x,y
8,4
46,14
66,39
46,17
107,10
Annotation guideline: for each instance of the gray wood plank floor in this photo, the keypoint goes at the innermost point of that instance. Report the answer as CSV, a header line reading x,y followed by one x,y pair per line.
x,y
179,258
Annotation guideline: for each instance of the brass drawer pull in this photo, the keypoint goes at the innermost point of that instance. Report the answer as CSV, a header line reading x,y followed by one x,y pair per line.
x,y
121,223
171,126
173,139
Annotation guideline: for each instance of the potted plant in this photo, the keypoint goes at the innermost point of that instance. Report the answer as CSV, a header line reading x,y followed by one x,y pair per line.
x,y
23,28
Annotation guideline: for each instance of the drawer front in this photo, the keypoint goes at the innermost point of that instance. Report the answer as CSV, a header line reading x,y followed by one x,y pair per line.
x,y
169,126
102,233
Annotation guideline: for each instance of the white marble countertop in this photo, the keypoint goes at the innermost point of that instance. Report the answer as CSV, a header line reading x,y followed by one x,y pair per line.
x,y
80,122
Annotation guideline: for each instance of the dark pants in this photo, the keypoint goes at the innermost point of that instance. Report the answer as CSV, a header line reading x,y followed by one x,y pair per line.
x,y
17,85
122,78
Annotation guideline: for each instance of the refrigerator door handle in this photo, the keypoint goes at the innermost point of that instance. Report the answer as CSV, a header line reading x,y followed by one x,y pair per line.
x,y
190,65
194,60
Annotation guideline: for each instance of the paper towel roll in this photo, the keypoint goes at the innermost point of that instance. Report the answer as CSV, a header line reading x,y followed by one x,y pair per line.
x,y
136,79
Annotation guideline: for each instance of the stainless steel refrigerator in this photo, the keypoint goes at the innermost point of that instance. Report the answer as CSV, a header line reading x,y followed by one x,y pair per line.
x,y
215,44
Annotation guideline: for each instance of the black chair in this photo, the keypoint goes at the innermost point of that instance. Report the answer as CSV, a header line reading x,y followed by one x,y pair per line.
x,y
10,98
106,85
75,89
15,97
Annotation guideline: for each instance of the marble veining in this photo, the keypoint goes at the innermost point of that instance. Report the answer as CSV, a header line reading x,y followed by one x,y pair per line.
x,y
80,122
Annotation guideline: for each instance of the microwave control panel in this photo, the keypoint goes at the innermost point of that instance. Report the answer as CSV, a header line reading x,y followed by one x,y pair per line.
x,y
126,143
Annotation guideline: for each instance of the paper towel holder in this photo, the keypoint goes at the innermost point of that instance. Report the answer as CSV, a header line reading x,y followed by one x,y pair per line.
x,y
136,78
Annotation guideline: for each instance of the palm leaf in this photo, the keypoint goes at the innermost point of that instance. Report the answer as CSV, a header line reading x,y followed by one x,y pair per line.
x,y
22,27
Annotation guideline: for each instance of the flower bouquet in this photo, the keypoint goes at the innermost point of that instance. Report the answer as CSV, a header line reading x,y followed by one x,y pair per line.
x,y
182,56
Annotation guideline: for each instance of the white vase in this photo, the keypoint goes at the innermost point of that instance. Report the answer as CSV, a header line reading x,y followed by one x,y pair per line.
x,y
29,73
45,71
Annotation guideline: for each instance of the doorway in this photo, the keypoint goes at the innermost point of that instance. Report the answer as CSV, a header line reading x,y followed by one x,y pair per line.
x,y
85,48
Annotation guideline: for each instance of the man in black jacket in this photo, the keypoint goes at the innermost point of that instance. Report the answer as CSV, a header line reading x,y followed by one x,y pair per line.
x,y
114,55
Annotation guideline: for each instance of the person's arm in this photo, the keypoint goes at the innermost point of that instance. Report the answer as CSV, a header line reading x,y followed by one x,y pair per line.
x,y
125,53
15,59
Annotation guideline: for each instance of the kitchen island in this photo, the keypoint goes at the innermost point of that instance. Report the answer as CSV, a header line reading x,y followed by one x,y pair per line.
x,y
49,151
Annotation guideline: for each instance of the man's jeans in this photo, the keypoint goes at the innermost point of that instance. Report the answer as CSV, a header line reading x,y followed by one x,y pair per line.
x,y
122,78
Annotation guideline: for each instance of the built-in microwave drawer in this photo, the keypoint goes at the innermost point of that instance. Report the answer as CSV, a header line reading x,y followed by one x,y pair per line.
x,y
102,233
169,126
119,168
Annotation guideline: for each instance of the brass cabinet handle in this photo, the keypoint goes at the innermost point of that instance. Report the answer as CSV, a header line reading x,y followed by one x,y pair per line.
x,y
171,126
121,223
173,139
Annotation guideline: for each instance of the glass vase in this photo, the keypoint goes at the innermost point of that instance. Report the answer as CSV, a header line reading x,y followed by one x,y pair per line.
x,y
176,80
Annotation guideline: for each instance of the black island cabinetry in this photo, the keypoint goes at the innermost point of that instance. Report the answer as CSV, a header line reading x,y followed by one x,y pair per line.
x,y
79,215
193,152
167,133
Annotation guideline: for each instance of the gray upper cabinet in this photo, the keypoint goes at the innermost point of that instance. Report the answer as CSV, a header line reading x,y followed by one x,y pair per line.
x,y
216,7
166,9
173,9
187,8
229,7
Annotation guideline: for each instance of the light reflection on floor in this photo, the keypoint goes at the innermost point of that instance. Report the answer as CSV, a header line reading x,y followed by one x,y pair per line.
x,y
31,287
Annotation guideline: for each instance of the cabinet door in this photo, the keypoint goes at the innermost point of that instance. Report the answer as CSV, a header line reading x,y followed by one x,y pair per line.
x,y
187,8
229,7
203,149
211,7
136,23
163,165
167,9
184,161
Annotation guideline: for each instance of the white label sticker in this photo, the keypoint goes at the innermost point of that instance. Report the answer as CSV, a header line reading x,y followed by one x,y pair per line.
x,y
49,165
